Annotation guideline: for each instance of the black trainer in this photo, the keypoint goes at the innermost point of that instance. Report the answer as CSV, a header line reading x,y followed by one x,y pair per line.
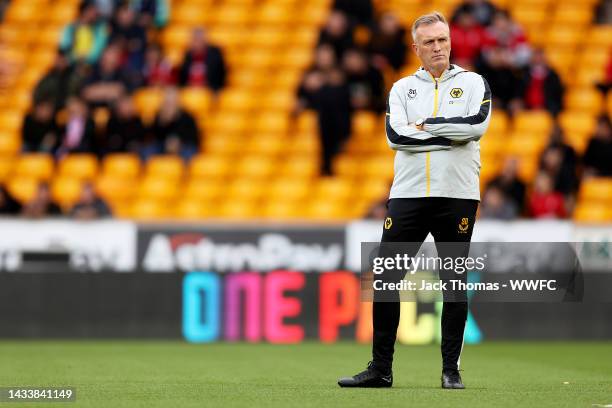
x,y
452,380
370,378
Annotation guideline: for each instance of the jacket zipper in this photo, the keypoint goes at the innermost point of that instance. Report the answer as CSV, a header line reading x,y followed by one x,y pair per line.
x,y
428,154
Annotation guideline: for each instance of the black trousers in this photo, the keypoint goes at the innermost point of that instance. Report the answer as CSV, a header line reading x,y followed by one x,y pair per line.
x,y
410,220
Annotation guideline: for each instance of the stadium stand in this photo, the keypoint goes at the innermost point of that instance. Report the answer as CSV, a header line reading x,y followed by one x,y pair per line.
x,y
257,161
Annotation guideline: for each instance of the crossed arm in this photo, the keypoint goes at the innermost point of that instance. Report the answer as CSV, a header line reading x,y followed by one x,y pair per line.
x,y
437,133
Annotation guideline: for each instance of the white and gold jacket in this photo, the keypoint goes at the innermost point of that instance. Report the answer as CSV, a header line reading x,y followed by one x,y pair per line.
x,y
443,159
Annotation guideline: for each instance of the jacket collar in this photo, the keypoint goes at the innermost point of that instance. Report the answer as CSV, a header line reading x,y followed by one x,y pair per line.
x,y
447,74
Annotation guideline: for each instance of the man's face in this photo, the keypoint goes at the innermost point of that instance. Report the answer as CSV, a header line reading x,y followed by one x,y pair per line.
x,y
433,46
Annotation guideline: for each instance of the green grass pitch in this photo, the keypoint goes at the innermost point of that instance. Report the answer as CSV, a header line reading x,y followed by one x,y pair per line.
x,y
176,374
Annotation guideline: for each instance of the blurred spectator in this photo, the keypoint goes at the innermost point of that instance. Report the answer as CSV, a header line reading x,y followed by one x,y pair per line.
x,y
8,204
107,81
203,64
597,159
387,43
129,36
106,8
62,81
495,205
89,206
85,39
359,11
482,10
41,204
337,33
510,184
325,90
157,71
559,161
467,36
544,201
124,130
175,130
505,52
541,87
39,130
152,13
366,83
79,133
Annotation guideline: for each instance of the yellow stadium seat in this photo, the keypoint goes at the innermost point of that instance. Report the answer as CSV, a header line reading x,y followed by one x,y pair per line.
x,y
373,189
204,190
195,100
22,189
578,14
379,167
529,15
533,122
15,34
230,14
289,189
347,166
6,167
524,145
303,37
271,123
266,146
153,187
334,189
189,209
268,37
588,75
124,165
584,99
255,167
49,35
246,79
528,167
498,123
278,101
274,14
328,210
245,189
307,122
283,210
66,191
147,102
238,210
223,144
295,59
10,143
148,209
564,36
288,79
176,37
62,13
236,100
300,167
165,167
80,166
209,167
23,13
364,123
597,189
38,166
601,35
492,146
312,16
593,213
10,121
115,188
574,123
190,14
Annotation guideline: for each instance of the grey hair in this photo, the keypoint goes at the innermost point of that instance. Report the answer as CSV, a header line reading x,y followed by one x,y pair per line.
x,y
427,19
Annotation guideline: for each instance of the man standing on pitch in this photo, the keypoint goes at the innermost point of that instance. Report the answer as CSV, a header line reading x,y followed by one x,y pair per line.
x,y
435,118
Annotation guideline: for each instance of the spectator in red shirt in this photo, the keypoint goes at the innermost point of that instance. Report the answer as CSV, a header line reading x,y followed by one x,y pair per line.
x,y
505,52
541,87
468,38
203,64
545,202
